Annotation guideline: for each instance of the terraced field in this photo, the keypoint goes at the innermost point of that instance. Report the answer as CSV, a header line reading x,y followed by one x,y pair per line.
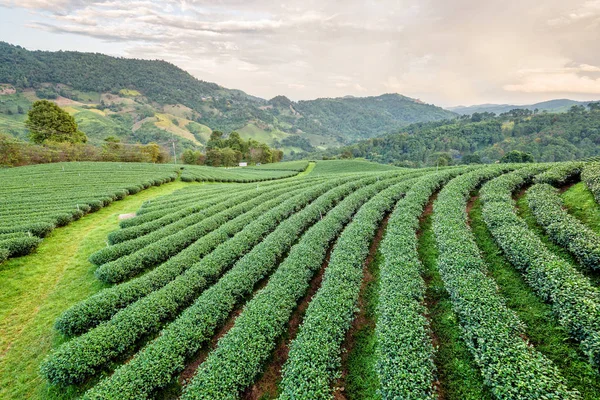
x,y
352,280
36,199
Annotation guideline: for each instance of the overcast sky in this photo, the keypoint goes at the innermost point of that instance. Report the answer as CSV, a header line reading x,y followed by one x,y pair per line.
x,y
447,52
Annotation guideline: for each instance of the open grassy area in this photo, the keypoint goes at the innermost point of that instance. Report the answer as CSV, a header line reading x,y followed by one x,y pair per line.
x,y
580,203
38,287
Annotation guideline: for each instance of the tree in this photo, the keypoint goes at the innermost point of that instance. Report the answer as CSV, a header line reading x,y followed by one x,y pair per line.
x,y
277,155
516,156
189,156
346,154
215,141
443,160
9,150
48,122
266,154
228,157
471,159
236,142
577,110
152,150
213,157
594,106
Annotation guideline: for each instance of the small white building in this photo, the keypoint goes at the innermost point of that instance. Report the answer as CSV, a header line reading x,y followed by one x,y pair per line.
x,y
243,164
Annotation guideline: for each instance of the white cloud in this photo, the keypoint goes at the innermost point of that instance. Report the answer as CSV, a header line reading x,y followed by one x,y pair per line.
x,y
440,51
557,83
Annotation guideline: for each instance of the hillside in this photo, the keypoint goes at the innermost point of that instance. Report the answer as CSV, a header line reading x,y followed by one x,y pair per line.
x,y
548,137
280,288
143,100
553,106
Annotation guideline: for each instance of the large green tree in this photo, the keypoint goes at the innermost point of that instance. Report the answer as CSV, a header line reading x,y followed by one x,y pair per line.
x,y
516,156
47,122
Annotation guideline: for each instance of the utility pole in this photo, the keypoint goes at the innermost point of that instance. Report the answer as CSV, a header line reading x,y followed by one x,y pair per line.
x,y
174,154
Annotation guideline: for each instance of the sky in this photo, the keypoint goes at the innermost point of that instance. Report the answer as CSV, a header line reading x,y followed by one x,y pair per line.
x,y
458,52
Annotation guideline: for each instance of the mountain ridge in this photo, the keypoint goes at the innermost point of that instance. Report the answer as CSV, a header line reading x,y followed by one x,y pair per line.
x,y
553,105
325,122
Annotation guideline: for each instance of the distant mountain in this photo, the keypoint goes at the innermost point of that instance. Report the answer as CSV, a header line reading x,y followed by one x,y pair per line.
x,y
141,100
555,106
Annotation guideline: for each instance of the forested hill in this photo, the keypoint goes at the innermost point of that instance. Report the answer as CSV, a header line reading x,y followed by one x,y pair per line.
x,y
556,105
487,138
156,84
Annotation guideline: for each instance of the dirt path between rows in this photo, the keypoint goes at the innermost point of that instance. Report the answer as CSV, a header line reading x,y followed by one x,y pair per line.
x,y
266,386
361,320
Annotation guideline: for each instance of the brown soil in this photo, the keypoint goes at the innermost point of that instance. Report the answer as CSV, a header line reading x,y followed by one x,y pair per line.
x,y
361,320
566,186
266,385
470,205
521,192
64,102
192,365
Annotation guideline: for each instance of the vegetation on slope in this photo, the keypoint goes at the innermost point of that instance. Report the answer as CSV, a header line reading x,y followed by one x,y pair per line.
x,y
207,249
486,138
155,83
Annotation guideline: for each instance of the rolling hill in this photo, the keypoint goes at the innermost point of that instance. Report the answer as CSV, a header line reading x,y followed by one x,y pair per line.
x,y
554,106
143,100
548,137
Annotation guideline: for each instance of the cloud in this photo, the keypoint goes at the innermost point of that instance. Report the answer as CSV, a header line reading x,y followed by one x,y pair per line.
x,y
587,12
570,78
557,83
440,51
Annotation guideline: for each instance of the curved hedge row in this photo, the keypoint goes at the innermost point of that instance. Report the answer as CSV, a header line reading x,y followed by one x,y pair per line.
x,y
591,176
155,365
574,300
298,166
178,200
404,348
240,354
564,229
561,173
103,305
314,355
84,355
510,366
17,244
158,208
155,253
181,214
181,219
39,229
210,174
228,207
38,198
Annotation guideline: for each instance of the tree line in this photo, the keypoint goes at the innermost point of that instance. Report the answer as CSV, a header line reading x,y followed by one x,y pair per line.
x,y
55,136
229,151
